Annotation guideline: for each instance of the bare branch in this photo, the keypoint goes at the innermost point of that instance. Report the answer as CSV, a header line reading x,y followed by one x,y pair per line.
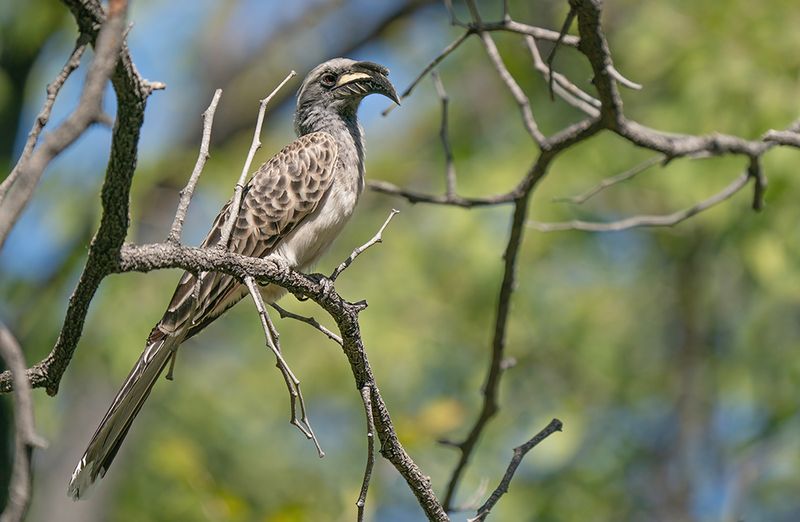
x,y
188,191
25,438
519,454
565,89
789,138
428,68
43,117
384,187
283,313
611,181
647,221
88,111
254,146
377,238
516,91
292,382
362,497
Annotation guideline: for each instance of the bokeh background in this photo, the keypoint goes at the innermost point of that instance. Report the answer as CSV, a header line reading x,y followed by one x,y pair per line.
x,y
670,355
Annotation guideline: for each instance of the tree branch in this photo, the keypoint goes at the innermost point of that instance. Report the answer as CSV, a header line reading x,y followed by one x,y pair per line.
x,y
25,439
90,108
519,454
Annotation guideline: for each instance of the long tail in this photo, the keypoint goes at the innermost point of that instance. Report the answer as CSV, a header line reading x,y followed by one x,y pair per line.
x,y
118,419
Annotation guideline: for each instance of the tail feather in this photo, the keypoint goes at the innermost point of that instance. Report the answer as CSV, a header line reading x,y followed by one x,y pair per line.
x,y
123,410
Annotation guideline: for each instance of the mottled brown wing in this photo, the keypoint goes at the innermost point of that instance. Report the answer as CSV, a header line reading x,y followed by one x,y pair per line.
x,y
278,197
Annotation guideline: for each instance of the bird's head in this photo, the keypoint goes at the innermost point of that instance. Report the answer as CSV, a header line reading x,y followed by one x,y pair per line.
x,y
339,85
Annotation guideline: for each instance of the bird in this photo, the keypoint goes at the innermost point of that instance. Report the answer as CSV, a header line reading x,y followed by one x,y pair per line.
x,y
291,210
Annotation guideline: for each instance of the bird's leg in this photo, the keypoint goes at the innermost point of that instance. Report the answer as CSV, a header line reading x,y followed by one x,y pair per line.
x,y
172,357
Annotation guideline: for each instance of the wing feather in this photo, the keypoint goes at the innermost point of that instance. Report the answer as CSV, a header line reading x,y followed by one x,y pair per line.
x,y
281,193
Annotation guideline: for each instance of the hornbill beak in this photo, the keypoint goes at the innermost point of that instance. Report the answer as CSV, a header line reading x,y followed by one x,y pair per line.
x,y
368,78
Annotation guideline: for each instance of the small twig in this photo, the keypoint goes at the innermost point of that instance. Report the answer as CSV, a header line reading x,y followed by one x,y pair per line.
x,y
377,238
202,157
552,55
53,88
362,497
450,170
19,488
384,187
565,89
755,171
622,80
292,382
519,453
254,146
428,68
667,220
611,181
283,313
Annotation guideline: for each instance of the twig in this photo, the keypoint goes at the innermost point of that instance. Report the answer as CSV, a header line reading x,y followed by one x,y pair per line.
x,y
254,146
450,170
552,55
448,4
519,454
283,313
89,109
428,68
53,88
384,187
377,238
292,382
202,157
25,438
667,220
611,181
362,497
565,89
622,80
516,91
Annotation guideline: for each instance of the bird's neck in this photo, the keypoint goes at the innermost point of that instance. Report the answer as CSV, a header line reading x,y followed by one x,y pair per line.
x,y
342,126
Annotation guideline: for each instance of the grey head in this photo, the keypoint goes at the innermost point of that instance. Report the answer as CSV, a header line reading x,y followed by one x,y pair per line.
x,y
335,89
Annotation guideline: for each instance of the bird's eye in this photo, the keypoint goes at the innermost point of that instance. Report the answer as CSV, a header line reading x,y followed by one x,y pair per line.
x,y
328,80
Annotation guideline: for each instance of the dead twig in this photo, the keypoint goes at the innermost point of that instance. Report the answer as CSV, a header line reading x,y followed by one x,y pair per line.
x,y
519,454
202,157
377,238
292,382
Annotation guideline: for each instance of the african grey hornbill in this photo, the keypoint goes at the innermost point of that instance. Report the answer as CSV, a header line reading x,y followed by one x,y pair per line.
x,y
292,208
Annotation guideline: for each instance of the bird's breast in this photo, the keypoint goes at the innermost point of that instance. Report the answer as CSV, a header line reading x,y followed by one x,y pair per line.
x,y
312,237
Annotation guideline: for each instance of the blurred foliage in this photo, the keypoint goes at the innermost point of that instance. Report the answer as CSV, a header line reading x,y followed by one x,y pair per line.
x,y
670,355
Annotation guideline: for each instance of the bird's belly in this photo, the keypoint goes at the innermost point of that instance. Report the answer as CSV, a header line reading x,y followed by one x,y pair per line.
x,y
311,238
